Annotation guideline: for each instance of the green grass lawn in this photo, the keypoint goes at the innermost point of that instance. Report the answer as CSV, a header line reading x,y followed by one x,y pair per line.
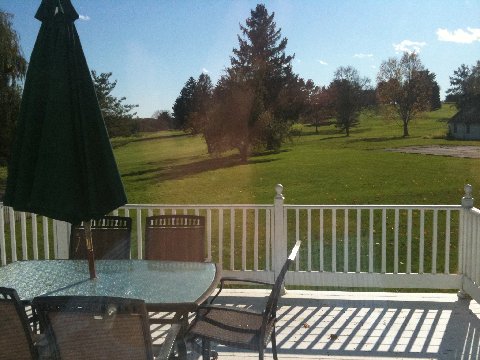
x,y
323,168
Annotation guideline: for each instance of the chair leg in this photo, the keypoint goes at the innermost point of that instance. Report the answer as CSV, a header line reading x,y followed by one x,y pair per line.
x,y
261,354
181,342
205,349
274,344
182,349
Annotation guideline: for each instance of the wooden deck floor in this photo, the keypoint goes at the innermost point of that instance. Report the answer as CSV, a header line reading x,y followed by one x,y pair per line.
x,y
366,325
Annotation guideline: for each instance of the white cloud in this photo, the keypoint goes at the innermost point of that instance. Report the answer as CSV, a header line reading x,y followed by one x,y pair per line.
x,y
322,62
459,36
409,46
363,56
84,17
205,71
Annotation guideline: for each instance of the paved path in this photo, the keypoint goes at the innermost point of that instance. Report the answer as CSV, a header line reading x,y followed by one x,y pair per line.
x,y
444,150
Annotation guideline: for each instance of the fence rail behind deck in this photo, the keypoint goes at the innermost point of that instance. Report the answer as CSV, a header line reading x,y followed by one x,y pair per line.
x,y
358,245
25,236
370,238
386,246
238,236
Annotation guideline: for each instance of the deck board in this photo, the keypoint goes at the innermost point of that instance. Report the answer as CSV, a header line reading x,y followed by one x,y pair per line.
x,y
365,325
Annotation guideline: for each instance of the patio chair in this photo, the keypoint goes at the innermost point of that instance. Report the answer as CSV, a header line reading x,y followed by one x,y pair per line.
x,y
175,237
16,338
240,327
110,236
85,327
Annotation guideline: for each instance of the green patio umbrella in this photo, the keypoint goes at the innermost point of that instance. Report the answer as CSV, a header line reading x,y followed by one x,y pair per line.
x,y
62,165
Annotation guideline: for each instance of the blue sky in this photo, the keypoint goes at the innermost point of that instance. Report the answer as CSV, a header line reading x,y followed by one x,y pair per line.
x,y
153,46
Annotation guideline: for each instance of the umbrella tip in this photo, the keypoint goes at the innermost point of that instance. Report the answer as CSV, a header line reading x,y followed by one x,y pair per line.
x,y
49,8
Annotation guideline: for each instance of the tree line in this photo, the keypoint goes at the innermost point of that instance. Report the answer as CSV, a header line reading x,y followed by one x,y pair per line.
x,y
257,99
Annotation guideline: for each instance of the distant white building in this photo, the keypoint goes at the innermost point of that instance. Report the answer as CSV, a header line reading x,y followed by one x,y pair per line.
x,y
465,125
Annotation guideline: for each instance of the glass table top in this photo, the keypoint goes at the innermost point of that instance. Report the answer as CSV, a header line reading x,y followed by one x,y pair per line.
x,y
156,282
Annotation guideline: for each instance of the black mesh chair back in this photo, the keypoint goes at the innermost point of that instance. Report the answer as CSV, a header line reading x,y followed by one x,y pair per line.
x,y
110,236
90,327
175,237
15,333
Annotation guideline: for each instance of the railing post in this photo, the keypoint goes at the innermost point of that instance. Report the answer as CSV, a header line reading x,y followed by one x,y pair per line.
x,y
279,237
61,238
463,240
467,199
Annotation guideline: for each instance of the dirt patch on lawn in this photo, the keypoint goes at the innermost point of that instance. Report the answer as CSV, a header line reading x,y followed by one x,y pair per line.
x,y
472,152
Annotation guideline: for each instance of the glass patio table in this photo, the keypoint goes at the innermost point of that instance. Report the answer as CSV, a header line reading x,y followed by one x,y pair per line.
x,y
163,285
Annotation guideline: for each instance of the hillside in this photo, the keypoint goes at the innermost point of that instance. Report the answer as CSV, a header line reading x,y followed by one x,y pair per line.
x,y
323,168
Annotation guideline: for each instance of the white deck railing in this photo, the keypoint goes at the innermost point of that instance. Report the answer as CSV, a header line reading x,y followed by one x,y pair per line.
x,y
403,246
469,247
368,246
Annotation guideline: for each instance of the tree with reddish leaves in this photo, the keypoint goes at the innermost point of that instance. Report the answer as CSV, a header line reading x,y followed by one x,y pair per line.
x,y
319,107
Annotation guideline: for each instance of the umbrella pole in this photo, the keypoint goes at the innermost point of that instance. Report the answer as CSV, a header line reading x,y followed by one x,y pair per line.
x,y
89,245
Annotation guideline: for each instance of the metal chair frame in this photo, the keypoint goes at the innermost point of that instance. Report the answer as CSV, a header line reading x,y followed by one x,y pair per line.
x,y
258,328
9,298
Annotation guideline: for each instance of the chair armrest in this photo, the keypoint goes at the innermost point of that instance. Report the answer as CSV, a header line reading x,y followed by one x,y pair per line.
x,y
228,309
224,279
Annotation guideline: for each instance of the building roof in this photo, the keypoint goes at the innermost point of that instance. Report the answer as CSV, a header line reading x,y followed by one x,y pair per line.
x,y
469,115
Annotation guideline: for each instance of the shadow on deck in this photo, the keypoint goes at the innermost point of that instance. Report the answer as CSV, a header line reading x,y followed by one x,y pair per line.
x,y
349,325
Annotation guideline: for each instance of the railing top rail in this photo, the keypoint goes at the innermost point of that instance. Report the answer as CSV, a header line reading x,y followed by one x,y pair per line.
x,y
196,206
289,206
342,207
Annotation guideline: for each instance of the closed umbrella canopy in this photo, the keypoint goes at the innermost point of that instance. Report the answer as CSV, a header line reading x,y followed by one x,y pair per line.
x,y
62,164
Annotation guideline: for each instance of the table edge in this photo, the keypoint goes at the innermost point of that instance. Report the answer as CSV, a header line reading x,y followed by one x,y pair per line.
x,y
185,307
